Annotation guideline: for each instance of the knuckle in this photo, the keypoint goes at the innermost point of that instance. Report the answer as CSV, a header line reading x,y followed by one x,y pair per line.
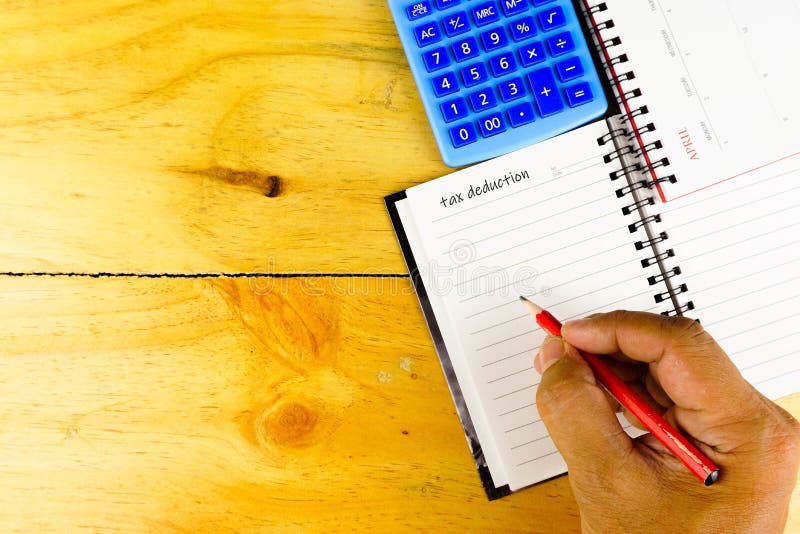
x,y
557,396
685,332
569,393
789,436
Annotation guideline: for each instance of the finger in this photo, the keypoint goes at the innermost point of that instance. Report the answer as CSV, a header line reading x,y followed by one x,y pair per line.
x,y
629,372
656,391
574,408
691,368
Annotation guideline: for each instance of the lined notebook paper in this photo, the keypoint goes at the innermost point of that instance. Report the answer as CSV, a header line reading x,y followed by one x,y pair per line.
x,y
548,222
738,245
553,231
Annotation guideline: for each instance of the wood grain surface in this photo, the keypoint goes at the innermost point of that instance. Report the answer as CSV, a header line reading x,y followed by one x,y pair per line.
x,y
218,405
177,137
210,136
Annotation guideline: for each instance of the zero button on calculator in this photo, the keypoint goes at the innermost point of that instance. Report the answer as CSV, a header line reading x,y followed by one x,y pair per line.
x,y
498,75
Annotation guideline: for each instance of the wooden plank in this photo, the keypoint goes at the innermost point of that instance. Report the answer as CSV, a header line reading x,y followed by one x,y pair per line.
x,y
184,136
220,405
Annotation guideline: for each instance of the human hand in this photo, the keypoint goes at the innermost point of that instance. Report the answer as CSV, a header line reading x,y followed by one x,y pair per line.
x,y
623,484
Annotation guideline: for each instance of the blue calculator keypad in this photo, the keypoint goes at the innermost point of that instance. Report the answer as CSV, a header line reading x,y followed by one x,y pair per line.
x,y
494,39
456,23
498,75
485,13
522,29
473,75
514,7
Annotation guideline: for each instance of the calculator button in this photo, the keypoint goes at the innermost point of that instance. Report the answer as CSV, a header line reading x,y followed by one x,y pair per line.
x,y
427,34
560,44
502,64
454,109
514,7
456,24
545,92
551,19
511,89
418,10
444,4
578,94
492,125
531,54
494,39
445,84
482,100
485,13
569,69
436,59
522,29
463,134
466,49
520,114
474,74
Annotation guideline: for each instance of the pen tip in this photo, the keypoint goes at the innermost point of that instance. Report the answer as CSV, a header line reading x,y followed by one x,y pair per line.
x,y
523,299
712,477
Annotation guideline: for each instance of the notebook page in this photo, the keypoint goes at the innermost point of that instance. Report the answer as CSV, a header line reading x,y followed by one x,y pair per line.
x,y
554,232
480,427
719,78
738,246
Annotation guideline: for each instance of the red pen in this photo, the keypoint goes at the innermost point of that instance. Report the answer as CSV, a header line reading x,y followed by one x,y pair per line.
x,y
696,461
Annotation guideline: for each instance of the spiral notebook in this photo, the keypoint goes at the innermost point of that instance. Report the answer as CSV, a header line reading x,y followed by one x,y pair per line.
x,y
685,200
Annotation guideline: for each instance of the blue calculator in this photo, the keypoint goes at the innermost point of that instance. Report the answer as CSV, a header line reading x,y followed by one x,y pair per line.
x,y
496,76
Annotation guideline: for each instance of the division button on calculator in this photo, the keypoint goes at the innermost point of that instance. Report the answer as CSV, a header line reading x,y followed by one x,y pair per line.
x,y
560,44
498,75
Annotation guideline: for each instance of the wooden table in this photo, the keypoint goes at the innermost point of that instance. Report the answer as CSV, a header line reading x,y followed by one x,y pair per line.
x,y
154,157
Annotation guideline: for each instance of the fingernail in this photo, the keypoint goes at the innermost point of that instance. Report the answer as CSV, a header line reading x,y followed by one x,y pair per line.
x,y
549,353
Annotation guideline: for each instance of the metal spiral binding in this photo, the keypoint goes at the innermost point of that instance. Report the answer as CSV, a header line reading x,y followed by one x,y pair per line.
x,y
633,146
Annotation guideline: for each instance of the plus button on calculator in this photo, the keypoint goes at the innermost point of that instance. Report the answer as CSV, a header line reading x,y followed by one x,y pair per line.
x,y
495,76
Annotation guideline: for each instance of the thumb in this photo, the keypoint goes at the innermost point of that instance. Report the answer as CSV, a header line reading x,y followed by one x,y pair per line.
x,y
577,413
